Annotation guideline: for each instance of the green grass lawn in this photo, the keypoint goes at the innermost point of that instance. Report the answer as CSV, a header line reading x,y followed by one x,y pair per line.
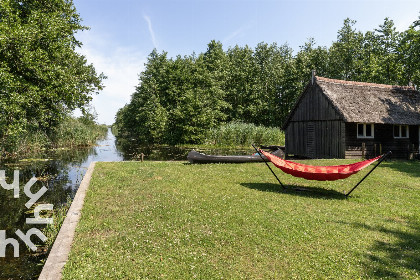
x,y
173,220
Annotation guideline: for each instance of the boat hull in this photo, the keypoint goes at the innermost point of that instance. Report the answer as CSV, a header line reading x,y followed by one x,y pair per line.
x,y
196,157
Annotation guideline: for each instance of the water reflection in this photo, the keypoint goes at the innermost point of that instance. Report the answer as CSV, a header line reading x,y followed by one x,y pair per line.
x,y
105,150
132,151
61,172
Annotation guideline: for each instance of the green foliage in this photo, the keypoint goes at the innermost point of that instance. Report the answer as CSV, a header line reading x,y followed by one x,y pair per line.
x,y
389,68
409,53
71,132
42,77
347,52
242,134
74,132
173,220
179,100
89,116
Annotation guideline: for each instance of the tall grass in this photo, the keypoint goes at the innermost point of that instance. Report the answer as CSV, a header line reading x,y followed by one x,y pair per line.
x,y
33,141
72,132
236,134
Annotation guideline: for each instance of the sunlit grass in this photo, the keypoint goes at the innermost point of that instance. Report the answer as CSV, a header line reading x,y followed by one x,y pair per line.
x,y
173,220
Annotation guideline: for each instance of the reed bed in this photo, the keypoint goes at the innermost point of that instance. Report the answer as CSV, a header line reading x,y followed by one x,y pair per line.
x,y
244,134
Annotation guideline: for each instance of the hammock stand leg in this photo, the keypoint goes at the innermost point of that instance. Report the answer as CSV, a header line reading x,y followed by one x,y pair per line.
x,y
379,162
269,167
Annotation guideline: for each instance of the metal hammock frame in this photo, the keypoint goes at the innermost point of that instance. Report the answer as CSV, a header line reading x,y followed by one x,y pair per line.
x,y
379,159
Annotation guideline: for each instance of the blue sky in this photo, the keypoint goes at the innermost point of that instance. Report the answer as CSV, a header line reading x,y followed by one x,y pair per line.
x,y
123,33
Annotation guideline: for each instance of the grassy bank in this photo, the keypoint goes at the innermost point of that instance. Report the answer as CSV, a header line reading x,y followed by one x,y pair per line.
x,y
172,220
72,132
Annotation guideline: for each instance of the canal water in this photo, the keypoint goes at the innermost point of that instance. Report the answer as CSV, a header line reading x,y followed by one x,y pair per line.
x,y
61,173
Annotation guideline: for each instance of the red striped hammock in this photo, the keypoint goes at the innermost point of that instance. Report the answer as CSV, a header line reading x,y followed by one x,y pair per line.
x,y
319,173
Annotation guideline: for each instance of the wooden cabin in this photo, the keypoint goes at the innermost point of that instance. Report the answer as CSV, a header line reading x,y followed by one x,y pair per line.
x,y
346,119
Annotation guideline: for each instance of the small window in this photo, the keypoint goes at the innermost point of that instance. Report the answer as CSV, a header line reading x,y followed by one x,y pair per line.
x,y
401,131
365,130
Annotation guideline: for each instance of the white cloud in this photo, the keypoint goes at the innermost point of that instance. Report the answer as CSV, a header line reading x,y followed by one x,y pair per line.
x,y
121,66
152,33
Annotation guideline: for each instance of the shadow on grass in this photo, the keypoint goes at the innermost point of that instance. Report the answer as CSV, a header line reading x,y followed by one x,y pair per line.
x,y
410,167
312,192
389,260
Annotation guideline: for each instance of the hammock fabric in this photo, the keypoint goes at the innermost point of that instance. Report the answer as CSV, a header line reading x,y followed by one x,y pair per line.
x,y
319,173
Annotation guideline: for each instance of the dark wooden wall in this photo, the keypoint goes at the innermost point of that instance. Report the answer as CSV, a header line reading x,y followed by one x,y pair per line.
x,y
384,140
315,129
316,139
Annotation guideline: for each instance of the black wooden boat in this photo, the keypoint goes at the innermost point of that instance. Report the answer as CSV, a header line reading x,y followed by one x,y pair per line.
x,y
196,157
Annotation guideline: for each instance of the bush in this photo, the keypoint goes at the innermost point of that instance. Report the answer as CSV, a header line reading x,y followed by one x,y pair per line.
x,y
243,134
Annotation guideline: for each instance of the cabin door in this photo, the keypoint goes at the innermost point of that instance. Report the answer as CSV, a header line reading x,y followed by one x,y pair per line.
x,y
310,140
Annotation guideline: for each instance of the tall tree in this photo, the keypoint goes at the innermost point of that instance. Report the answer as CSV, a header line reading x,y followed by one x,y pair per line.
x,y
177,100
240,83
145,117
346,54
386,50
310,57
42,76
271,61
409,53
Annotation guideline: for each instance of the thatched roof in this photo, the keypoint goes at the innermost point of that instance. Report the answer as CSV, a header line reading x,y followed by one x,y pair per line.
x,y
372,103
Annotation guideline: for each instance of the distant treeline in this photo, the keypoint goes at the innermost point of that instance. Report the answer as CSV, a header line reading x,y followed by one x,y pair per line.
x,y
178,100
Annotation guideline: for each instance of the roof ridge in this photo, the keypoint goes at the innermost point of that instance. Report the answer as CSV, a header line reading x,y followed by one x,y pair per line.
x,y
344,82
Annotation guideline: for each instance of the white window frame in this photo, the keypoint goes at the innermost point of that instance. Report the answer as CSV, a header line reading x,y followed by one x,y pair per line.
x,y
399,134
364,131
